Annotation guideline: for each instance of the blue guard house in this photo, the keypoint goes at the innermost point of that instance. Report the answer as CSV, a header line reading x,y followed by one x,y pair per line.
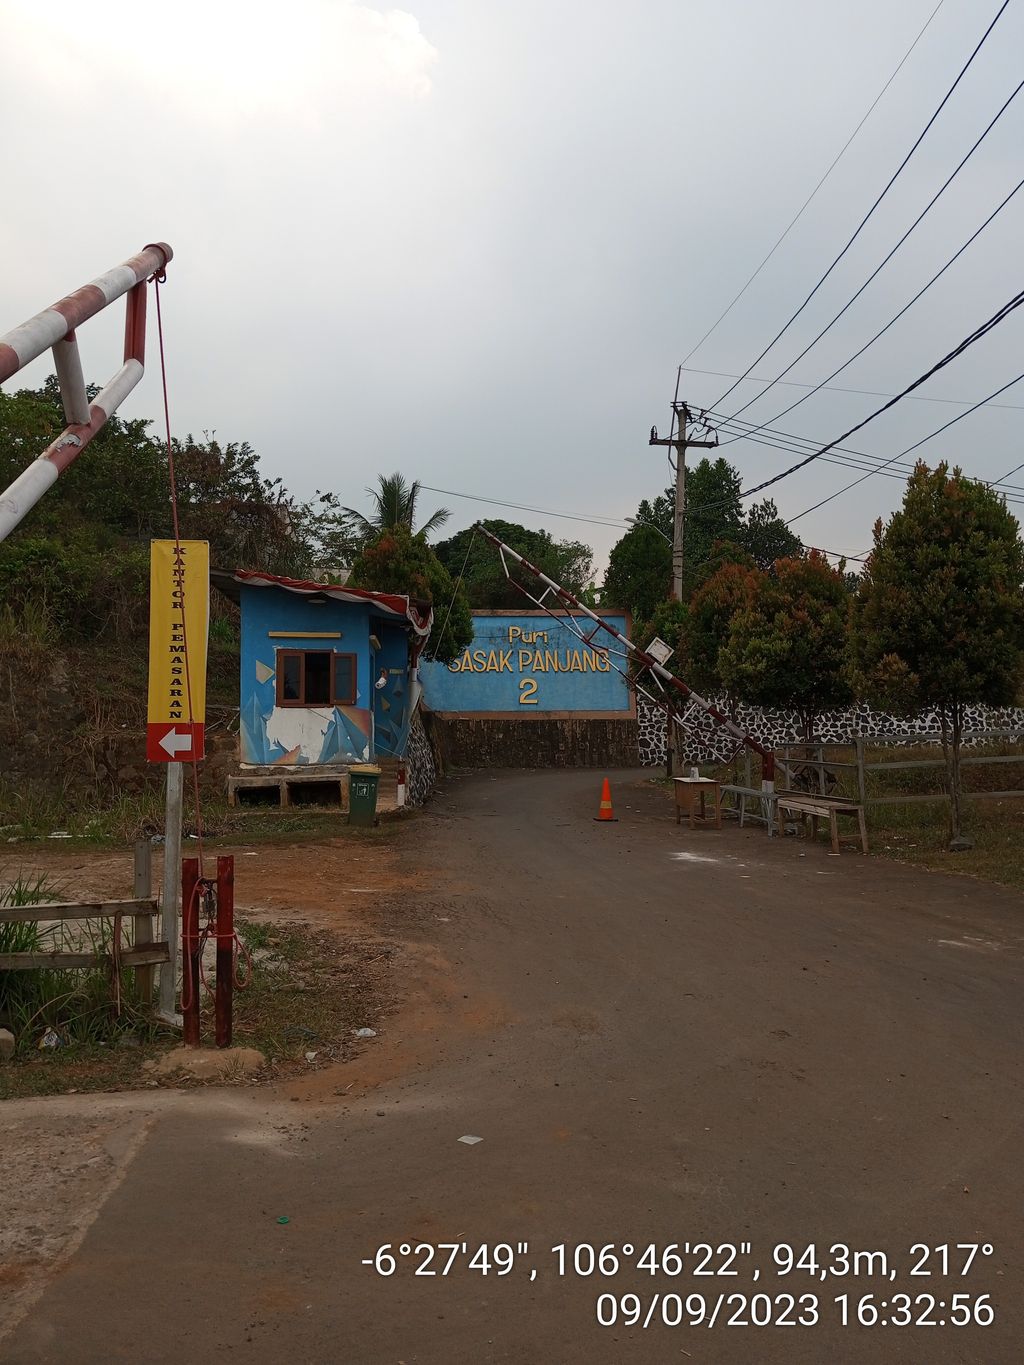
x,y
328,682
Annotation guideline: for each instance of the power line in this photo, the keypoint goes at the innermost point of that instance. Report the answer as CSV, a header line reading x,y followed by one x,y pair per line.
x,y
958,418
800,212
879,268
863,222
839,388
772,438
996,482
611,525
521,507
1000,316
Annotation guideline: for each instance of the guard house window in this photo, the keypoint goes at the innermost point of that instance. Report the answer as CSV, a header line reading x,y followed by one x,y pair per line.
x,y
315,677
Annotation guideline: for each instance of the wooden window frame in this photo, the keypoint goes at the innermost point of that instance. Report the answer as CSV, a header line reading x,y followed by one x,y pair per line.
x,y
334,700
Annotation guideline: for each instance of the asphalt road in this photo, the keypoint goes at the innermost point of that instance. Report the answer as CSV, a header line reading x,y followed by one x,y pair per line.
x,y
662,1037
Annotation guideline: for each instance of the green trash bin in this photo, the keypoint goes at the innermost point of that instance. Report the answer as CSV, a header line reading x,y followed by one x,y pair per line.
x,y
362,794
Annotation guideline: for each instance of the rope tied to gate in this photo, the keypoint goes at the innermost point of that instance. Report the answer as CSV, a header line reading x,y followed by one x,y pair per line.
x,y
206,890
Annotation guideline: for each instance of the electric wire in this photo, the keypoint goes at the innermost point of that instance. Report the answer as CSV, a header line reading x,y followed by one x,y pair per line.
x,y
996,482
839,388
979,332
879,268
862,459
864,221
522,507
931,435
455,591
806,204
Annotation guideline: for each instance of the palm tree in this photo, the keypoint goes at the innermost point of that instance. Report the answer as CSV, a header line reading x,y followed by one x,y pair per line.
x,y
394,504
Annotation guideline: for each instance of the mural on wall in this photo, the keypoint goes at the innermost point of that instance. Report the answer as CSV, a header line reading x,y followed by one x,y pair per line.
x,y
392,690
300,735
525,664
326,675
274,621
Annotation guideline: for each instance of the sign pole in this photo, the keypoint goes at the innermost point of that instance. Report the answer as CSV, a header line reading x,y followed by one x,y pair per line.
x,y
172,887
179,621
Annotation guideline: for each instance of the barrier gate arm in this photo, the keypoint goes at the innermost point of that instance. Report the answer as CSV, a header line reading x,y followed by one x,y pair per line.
x,y
659,670
54,328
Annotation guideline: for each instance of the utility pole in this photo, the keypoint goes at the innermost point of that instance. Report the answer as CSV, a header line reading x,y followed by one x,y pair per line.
x,y
680,440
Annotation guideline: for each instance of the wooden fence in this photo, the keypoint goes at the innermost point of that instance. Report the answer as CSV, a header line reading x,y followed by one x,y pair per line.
x,y
798,757
142,909
808,766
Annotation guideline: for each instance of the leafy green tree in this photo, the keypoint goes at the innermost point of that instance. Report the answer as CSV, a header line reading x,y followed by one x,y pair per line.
x,y
733,588
939,611
393,504
400,562
788,648
766,537
470,554
658,512
80,555
670,622
714,512
716,532
639,572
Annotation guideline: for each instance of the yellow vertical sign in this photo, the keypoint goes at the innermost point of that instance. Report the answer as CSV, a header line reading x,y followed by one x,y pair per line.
x,y
179,623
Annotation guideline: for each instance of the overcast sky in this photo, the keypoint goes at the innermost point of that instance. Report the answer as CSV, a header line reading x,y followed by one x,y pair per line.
x,y
473,240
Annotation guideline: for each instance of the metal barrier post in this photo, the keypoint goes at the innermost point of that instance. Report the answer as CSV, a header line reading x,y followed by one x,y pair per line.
x,y
225,948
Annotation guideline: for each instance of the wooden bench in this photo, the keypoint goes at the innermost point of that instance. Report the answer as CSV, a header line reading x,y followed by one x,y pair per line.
x,y
807,804
691,791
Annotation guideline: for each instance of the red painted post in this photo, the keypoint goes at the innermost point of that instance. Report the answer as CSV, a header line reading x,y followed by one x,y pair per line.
x,y
190,951
225,947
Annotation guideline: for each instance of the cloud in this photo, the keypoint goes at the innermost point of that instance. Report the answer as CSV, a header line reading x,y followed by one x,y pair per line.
x,y
223,62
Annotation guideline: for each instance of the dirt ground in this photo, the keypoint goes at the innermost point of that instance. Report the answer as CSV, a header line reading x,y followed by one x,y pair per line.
x,y
658,1033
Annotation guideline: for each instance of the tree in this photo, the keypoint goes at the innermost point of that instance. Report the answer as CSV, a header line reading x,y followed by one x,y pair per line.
x,y
660,512
568,562
766,537
788,648
398,561
80,557
713,513
939,610
716,532
639,572
733,588
394,504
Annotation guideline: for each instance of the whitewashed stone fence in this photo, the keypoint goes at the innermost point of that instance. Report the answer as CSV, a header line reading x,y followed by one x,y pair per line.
x,y
708,744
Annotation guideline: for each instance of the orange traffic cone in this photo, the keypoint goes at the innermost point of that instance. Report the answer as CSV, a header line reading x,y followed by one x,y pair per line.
x,y
605,813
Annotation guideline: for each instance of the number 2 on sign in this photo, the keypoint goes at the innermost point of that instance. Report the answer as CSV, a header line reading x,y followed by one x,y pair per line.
x,y
527,692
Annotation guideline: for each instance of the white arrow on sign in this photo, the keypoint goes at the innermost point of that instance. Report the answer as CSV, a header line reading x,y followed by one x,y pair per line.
x,y
175,743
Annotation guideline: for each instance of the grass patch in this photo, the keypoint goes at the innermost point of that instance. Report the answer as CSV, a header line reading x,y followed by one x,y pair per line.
x,y
309,989
53,1009
28,817
917,832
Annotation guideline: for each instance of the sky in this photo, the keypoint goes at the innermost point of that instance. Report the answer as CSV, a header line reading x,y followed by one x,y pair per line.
x,y
474,241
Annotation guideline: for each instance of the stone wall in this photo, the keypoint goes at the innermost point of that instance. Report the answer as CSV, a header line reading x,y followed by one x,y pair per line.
x,y
708,744
576,742
423,768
